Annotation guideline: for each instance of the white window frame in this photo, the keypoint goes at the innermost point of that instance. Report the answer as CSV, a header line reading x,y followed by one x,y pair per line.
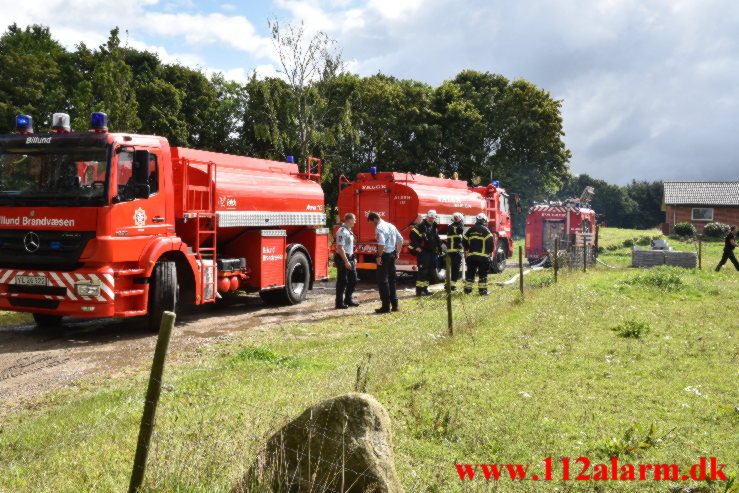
x,y
692,214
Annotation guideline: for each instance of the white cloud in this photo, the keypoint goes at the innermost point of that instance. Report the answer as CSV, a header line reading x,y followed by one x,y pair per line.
x,y
649,87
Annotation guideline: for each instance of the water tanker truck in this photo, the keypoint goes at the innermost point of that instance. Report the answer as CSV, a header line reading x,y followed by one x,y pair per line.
x,y
99,224
571,222
404,198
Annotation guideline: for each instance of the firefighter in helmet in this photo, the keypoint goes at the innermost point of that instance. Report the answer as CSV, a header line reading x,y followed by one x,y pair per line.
x,y
426,246
454,234
478,244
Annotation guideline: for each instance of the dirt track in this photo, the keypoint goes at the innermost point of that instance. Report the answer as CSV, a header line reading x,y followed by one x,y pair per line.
x,y
33,362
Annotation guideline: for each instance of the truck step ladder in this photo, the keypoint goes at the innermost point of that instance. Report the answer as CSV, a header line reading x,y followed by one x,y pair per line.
x,y
199,204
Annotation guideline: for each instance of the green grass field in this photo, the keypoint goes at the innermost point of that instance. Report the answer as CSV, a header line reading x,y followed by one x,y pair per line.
x,y
630,363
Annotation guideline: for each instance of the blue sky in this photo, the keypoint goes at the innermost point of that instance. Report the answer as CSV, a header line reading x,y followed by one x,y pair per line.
x,y
650,88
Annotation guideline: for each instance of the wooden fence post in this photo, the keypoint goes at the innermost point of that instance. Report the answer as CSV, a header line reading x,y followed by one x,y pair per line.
x,y
700,252
450,318
520,269
597,235
584,253
555,263
150,405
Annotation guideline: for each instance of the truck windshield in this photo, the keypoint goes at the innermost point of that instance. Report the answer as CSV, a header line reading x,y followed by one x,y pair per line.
x,y
53,177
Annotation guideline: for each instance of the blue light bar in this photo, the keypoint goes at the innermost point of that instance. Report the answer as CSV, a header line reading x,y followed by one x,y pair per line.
x,y
99,121
56,245
373,170
23,124
290,159
495,183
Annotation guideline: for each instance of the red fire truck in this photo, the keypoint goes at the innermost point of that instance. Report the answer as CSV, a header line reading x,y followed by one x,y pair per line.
x,y
98,224
404,198
570,221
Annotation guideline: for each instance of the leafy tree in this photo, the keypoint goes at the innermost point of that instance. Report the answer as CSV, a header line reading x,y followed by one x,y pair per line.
x,y
113,88
30,76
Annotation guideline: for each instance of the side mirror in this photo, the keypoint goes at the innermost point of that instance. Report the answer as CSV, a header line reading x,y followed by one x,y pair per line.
x,y
517,200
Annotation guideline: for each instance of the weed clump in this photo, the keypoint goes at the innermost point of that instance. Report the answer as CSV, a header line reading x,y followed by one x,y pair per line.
x,y
634,440
663,279
632,328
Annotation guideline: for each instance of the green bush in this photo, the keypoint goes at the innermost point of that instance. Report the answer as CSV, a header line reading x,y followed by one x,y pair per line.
x,y
685,229
716,230
644,240
629,243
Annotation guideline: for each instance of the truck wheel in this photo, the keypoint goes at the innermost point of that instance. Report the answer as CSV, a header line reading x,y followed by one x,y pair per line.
x,y
366,275
44,321
497,264
163,292
297,279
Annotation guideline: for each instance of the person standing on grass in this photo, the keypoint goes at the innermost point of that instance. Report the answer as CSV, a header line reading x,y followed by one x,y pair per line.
x,y
454,234
478,244
729,246
346,267
389,243
426,246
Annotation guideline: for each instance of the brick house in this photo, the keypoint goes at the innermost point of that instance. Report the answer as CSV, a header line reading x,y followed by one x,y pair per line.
x,y
700,203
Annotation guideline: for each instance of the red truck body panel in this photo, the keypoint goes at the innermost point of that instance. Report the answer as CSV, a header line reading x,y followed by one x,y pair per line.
x,y
404,198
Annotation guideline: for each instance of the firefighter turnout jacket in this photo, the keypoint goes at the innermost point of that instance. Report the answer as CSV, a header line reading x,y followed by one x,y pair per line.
x,y
426,237
454,233
478,240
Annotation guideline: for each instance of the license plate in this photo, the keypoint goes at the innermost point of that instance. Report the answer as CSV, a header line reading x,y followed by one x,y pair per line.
x,y
31,280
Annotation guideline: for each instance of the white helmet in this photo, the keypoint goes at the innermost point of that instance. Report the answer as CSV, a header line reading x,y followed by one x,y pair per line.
x,y
431,213
457,216
481,218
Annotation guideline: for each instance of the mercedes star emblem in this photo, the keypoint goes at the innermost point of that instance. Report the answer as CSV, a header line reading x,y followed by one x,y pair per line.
x,y
31,242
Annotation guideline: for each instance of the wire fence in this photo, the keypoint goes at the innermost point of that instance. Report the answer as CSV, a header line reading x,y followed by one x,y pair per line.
x,y
215,419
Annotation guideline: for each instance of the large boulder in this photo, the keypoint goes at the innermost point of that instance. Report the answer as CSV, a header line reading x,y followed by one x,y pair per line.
x,y
341,444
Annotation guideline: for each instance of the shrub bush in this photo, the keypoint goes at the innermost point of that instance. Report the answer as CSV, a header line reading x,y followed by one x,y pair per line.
x,y
644,240
629,243
685,229
632,328
716,230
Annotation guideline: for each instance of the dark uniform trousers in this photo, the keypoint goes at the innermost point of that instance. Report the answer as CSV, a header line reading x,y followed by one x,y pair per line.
x,y
426,262
728,255
456,260
386,275
477,264
346,280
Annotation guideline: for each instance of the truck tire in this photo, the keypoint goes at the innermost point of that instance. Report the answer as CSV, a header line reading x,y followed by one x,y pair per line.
x,y
163,292
297,281
497,263
367,275
44,321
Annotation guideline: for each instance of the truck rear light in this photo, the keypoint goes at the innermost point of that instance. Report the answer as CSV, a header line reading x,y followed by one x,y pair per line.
x,y
60,123
87,289
23,124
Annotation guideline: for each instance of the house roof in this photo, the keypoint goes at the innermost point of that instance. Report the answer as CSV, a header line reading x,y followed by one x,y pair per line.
x,y
702,192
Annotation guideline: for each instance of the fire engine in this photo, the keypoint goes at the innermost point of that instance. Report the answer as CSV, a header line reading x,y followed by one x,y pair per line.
x,y
404,198
99,224
570,221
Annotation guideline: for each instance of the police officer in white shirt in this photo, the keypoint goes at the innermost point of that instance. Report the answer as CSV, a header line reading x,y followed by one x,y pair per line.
x,y
346,266
389,243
